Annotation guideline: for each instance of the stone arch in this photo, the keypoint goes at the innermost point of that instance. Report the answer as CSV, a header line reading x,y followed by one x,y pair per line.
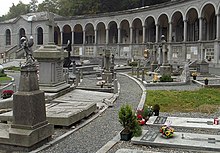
x,y
125,31
150,29
40,36
57,35
78,34
8,37
101,33
113,32
89,33
192,24
67,34
137,31
22,33
177,33
163,26
209,22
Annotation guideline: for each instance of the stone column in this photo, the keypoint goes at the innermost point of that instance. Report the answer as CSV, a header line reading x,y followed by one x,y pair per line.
x,y
77,77
200,28
185,31
61,38
144,29
154,64
119,35
107,36
95,36
84,37
165,69
170,32
131,35
157,33
218,27
143,75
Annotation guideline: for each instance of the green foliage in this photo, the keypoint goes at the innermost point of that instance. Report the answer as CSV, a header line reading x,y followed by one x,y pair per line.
x,y
134,63
147,112
202,100
14,68
128,120
166,78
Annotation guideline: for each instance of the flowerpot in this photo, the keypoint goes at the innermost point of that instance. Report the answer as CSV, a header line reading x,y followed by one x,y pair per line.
x,y
194,77
125,136
206,82
156,112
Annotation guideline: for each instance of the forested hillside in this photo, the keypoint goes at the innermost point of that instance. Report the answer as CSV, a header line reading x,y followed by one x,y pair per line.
x,y
77,7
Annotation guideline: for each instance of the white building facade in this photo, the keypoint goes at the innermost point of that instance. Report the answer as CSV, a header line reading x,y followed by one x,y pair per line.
x,y
191,29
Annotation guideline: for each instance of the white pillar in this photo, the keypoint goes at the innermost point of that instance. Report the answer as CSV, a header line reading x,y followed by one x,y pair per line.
x,y
61,38
157,33
107,36
218,27
84,37
170,32
144,29
200,28
119,35
185,31
96,36
131,35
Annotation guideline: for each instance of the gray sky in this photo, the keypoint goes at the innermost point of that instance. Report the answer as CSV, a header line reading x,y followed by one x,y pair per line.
x,y
5,4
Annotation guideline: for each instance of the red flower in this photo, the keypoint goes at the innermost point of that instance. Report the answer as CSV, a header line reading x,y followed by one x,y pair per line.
x,y
8,92
139,117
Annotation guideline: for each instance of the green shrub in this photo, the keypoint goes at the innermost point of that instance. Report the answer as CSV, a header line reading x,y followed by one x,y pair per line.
x,y
128,120
166,78
134,63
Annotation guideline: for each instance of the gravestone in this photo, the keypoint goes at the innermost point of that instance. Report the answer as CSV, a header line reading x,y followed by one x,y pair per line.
x,y
51,58
165,69
107,75
29,126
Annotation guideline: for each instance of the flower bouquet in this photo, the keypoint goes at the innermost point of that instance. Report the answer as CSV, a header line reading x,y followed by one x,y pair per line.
x,y
167,131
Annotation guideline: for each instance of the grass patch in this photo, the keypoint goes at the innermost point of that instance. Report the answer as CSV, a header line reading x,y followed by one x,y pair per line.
x,y
205,100
4,79
13,68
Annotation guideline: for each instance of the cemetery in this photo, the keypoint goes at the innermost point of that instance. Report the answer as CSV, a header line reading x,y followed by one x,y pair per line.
x,y
96,96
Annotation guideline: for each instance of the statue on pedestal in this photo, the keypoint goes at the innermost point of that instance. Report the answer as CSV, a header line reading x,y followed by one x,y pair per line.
x,y
26,45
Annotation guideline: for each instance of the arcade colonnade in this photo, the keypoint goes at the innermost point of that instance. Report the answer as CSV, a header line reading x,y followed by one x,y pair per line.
x,y
191,29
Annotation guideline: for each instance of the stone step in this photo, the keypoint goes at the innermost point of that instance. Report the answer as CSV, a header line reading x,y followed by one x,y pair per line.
x,y
184,122
189,141
123,150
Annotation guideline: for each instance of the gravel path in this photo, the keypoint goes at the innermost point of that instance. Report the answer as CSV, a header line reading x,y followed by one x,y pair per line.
x,y
96,134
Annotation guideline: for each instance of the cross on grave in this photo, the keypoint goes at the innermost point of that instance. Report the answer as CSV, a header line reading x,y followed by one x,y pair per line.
x,y
51,24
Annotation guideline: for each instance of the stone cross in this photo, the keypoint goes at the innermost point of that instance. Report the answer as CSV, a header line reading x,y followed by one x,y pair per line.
x,y
51,24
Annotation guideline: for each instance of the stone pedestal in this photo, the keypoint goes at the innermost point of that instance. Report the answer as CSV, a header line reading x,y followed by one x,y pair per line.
x,y
165,70
203,67
29,126
51,77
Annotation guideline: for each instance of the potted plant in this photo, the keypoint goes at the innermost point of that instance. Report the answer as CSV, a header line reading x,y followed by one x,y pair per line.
x,y
156,110
206,81
194,75
129,121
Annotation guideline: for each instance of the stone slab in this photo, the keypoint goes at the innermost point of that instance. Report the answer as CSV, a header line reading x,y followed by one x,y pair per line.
x,y
63,114
123,150
183,122
182,140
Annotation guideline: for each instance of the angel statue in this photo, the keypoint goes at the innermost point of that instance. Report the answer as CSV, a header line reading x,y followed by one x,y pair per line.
x,y
26,45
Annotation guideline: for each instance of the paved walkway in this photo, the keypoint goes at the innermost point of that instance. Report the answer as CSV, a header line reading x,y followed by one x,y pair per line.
x,y
96,134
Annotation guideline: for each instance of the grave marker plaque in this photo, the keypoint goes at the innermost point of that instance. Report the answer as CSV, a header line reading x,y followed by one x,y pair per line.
x,y
150,136
160,120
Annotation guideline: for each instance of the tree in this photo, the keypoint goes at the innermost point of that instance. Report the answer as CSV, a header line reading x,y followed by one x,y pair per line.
x,y
16,10
49,5
33,5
